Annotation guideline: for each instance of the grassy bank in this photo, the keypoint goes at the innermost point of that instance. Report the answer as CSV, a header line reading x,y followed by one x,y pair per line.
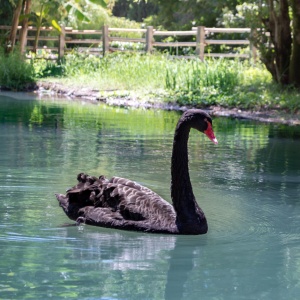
x,y
229,83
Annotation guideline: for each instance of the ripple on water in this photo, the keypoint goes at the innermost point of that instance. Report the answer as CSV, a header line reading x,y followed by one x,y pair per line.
x,y
238,218
20,237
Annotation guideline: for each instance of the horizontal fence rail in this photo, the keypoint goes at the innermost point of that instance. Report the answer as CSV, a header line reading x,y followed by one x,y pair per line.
x,y
101,42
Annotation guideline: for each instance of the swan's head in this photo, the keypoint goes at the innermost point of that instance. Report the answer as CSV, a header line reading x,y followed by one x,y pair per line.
x,y
201,121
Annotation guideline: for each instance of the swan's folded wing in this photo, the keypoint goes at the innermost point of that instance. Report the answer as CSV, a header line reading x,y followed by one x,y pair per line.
x,y
132,184
137,202
105,217
119,203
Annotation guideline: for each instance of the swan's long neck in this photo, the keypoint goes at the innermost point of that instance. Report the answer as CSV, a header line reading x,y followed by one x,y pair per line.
x,y
190,218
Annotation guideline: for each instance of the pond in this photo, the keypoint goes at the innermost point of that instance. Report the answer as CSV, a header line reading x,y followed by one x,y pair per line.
x,y
248,186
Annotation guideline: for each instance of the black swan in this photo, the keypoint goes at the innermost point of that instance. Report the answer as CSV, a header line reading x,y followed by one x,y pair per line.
x,y
124,204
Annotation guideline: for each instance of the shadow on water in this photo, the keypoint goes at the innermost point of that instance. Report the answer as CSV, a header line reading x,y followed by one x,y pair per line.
x,y
181,263
128,265
278,168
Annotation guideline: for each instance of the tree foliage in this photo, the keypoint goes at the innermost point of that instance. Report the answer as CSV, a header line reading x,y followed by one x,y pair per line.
x,y
295,59
177,14
276,33
6,12
134,10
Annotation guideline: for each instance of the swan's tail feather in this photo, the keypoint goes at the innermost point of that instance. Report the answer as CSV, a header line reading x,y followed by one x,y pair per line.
x,y
89,191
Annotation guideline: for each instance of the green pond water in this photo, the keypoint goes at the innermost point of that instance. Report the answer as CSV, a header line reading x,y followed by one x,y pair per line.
x,y
248,186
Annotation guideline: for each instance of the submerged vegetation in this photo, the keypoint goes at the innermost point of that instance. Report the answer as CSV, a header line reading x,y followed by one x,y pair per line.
x,y
224,82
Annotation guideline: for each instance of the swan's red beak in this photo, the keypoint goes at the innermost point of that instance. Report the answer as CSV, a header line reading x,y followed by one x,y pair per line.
x,y
210,133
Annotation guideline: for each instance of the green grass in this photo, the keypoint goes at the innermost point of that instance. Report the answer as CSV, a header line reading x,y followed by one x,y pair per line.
x,y
229,83
224,82
114,72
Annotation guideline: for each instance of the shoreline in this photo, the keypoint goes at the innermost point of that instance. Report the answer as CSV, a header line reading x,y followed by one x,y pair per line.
x,y
49,89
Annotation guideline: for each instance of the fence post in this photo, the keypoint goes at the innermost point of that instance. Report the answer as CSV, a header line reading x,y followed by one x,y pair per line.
x,y
105,39
62,43
200,42
149,39
23,36
253,53
253,49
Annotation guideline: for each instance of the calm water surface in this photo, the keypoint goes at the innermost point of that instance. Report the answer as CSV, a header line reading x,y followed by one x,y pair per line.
x,y
248,186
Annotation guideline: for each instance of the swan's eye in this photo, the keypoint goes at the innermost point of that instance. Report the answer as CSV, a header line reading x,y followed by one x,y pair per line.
x,y
210,133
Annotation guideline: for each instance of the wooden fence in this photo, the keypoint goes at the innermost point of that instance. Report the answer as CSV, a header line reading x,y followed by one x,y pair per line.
x,y
101,41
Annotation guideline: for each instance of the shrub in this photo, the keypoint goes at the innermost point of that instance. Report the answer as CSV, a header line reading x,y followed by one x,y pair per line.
x,y
15,72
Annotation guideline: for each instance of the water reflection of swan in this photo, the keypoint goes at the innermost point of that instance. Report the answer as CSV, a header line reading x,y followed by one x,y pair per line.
x,y
124,204
141,254
166,262
120,251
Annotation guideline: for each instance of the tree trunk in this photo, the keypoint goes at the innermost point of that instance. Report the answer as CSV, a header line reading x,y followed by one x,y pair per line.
x,y
23,33
280,34
295,60
38,29
36,39
14,27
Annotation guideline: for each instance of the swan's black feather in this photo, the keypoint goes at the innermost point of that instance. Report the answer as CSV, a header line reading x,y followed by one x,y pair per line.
x,y
124,204
119,203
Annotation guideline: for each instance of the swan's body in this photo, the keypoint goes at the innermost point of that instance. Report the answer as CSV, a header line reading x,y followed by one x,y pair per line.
x,y
124,204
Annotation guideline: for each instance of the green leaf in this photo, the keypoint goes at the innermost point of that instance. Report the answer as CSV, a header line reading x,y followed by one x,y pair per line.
x,y
99,2
68,7
75,9
22,17
81,16
56,25
46,11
